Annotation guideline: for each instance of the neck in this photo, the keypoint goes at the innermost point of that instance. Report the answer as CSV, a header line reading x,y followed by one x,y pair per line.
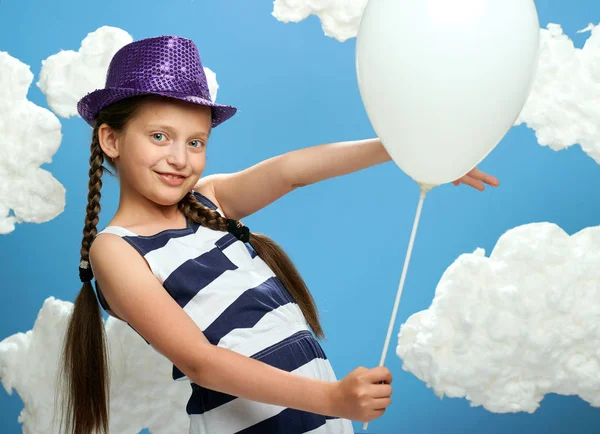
x,y
139,214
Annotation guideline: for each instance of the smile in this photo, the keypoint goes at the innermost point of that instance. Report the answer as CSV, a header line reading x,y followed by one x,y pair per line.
x,y
171,179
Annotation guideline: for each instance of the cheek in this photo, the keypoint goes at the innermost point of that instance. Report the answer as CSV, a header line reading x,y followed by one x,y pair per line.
x,y
198,162
147,156
137,158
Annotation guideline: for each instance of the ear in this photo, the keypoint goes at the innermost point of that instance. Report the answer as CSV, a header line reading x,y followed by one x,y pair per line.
x,y
109,141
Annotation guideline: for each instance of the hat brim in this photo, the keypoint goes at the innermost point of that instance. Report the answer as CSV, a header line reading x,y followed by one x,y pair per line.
x,y
91,104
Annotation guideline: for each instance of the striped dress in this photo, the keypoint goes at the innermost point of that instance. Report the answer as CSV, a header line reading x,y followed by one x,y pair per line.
x,y
239,304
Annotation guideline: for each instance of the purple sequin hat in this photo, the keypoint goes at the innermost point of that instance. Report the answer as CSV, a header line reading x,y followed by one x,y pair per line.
x,y
166,65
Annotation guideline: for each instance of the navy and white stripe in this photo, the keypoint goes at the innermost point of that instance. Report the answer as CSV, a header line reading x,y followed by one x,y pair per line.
x,y
239,304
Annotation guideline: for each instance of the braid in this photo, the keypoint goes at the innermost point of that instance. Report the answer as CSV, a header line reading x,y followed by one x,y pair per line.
x,y
196,211
84,372
93,206
269,251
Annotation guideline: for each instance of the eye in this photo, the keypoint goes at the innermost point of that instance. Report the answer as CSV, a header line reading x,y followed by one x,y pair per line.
x,y
158,136
197,144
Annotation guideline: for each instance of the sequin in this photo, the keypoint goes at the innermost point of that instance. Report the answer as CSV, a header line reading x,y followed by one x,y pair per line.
x,y
165,65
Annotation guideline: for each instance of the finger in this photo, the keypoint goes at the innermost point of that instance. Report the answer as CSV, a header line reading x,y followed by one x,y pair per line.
x,y
482,176
472,182
374,414
361,370
380,391
381,374
382,403
378,375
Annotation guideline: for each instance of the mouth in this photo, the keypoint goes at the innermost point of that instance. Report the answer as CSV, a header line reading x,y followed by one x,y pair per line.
x,y
171,178
171,175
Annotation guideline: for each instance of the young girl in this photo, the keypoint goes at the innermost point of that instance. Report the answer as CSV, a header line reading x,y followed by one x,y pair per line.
x,y
225,305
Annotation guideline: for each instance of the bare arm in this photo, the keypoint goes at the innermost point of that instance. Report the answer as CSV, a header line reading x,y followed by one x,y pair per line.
x,y
138,298
243,193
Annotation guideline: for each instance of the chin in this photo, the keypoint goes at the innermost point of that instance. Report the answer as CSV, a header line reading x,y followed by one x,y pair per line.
x,y
169,198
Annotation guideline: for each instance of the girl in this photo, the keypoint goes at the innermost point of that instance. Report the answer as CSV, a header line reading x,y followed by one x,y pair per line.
x,y
225,305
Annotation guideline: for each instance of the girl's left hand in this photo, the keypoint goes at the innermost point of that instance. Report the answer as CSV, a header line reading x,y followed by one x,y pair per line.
x,y
475,178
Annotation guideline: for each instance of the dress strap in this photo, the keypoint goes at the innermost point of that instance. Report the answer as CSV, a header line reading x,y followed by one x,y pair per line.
x,y
117,230
205,200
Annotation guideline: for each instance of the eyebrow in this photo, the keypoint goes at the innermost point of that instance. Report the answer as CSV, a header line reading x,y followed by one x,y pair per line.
x,y
171,130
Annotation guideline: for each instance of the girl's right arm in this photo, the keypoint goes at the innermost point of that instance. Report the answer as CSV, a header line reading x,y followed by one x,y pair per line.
x,y
137,297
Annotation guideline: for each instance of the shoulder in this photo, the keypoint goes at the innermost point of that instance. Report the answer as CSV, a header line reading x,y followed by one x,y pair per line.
x,y
206,188
114,263
110,247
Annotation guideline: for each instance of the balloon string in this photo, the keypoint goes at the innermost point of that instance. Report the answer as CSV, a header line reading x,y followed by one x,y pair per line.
x,y
425,188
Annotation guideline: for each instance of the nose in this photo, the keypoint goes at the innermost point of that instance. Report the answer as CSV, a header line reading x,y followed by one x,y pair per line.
x,y
177,155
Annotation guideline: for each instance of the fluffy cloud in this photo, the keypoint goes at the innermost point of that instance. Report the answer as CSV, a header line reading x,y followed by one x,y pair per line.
x,y
30,135
69,75
340,19
506,330
213,86
143,395
563,106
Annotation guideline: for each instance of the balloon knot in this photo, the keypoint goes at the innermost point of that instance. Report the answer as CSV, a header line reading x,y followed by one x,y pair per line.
x,y
425,188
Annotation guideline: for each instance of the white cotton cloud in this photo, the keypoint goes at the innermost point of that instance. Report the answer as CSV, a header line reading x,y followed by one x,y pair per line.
x,y
506,330
340,19
143,395
563,106
30,136
69,75
211,80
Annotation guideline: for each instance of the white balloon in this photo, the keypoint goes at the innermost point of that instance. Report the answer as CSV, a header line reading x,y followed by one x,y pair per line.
x,y
443,81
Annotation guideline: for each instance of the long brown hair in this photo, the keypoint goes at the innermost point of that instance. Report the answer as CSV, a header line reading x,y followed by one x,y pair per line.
x,y
84,381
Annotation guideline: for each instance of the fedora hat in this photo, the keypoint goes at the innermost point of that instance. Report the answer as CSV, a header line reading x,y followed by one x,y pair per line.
x,y
168,66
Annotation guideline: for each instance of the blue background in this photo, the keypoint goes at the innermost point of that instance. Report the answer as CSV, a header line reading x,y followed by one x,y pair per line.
x,y
296,87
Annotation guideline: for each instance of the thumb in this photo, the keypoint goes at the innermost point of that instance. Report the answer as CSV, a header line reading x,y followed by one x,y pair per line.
x,y
378,375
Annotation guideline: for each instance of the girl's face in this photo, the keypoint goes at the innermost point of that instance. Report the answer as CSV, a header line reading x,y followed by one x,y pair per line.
x,y
162,149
